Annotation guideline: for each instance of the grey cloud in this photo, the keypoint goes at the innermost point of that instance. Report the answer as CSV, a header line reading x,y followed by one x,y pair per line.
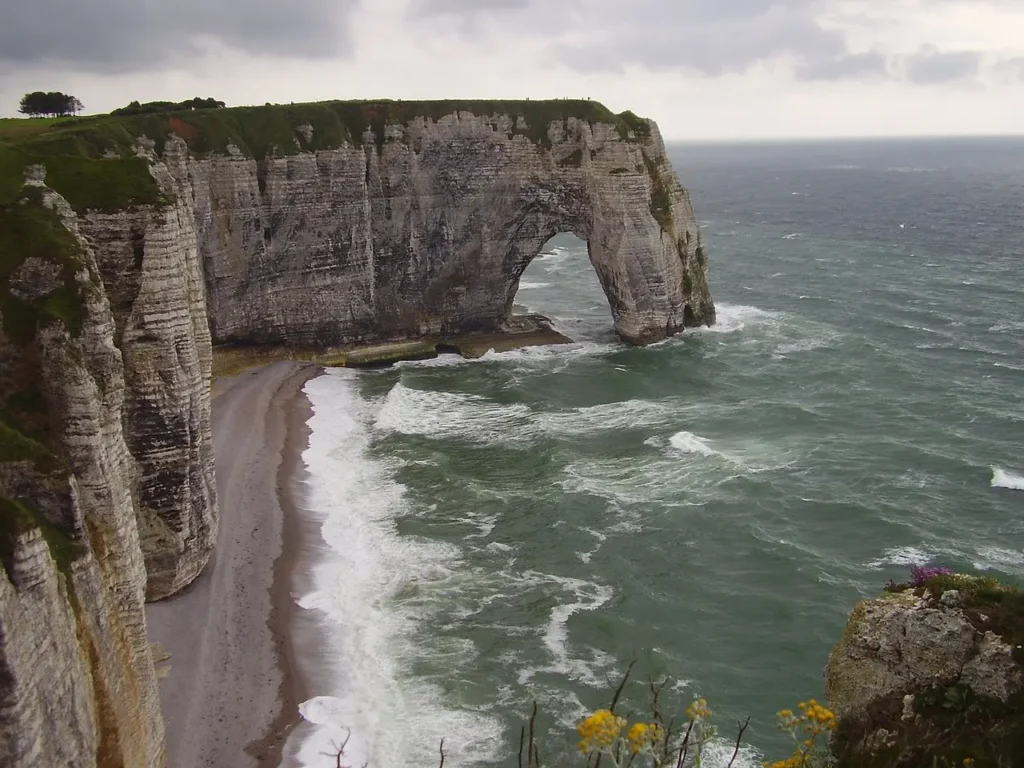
x,y
440,7
115,35
931,66
718,44
712,37
849,66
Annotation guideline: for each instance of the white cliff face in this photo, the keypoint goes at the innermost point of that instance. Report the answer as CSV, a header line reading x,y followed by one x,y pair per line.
x,y
425,233
78,682
148,258
339,246
431,235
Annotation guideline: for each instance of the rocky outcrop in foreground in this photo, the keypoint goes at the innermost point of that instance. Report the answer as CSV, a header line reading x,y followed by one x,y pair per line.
x,y
931,676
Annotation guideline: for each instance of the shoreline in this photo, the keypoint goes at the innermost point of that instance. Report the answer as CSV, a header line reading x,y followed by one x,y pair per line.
x,y
284,611
231,692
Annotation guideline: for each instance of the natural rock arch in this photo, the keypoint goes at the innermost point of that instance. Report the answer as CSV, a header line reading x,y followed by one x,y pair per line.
x,y
427,232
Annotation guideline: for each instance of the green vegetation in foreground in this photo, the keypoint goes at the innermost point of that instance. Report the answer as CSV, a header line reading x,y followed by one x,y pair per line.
x,y
92,160
30,230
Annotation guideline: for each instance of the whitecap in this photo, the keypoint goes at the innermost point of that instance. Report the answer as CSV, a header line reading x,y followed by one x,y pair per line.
x,y
901,556
793,235
719,753
736,317
1003,479
615,417
542,355
528,285
999,558
687,442
1006,327
804,345
585,596
436,414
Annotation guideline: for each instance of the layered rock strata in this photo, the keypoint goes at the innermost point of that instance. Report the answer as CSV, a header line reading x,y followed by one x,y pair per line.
x,y
77,686
149,260
428,233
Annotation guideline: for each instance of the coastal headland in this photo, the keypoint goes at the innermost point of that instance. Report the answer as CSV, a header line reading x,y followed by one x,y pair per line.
x,y
132,244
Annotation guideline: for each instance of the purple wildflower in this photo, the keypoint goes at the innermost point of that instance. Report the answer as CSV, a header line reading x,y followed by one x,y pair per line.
x,y
920,574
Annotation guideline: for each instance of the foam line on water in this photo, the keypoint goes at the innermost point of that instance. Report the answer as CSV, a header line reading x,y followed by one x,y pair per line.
x,y
999,558
1001,478
687,442
902,556
371,636
411,411
452,415
731,318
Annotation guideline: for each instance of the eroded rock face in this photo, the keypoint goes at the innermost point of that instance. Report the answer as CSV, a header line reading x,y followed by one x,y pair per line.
x,y
77,686
429,233
150,262
919,677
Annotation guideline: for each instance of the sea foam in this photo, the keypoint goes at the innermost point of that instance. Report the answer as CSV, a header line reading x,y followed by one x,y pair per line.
x,y
735,317
1003,479
370,637
687,442
902,556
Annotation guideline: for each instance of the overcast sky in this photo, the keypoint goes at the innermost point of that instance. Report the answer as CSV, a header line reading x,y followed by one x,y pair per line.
x,y
704,69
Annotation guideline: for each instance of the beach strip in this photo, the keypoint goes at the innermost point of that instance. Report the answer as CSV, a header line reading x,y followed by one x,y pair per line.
x,y
230,697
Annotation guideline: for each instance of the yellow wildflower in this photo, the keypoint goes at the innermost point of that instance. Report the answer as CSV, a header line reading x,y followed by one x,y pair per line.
x,y
643,736
599,731
698,710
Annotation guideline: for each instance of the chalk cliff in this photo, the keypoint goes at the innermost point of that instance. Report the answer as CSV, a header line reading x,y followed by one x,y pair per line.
x,y
138,242
428,232
77,686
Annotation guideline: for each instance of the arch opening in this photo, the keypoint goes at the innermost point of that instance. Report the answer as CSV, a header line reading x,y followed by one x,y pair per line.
x,y
562,285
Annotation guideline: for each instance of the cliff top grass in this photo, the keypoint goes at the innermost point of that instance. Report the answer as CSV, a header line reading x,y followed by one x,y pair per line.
x,y
92,160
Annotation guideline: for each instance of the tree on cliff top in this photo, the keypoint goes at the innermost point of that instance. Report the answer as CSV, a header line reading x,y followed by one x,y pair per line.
x,y
52,104
150,107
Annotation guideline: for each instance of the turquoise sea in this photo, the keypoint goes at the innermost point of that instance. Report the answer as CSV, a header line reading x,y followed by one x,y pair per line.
x,y
520,527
